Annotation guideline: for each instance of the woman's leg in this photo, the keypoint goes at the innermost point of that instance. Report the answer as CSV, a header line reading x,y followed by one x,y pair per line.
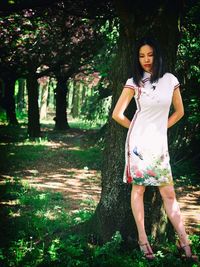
x,y
173,212
137,205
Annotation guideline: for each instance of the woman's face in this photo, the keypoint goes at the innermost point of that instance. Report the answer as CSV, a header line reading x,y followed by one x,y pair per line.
x,y
146,57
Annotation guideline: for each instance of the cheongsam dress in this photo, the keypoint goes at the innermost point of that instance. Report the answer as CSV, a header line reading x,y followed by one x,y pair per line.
x,y
146,148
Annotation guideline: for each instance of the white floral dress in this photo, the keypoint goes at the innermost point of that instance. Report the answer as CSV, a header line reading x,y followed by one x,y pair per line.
x,y
146,149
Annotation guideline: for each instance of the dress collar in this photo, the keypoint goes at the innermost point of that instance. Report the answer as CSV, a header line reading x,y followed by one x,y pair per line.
x,y
146,75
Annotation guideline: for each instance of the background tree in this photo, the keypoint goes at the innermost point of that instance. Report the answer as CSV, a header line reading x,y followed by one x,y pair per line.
x,y
51,38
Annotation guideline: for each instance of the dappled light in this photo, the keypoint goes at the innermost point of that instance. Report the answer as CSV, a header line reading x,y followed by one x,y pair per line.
x,y
65,163
76,184
52,164
190,206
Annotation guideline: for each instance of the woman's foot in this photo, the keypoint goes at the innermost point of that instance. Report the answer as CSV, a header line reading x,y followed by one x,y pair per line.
x,y
186,249
146,250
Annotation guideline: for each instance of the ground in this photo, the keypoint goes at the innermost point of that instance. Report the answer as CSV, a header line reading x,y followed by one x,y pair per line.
x,y
69,162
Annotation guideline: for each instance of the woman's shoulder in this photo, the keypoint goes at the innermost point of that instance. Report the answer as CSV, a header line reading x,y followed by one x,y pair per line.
x,y
130,79
171,78
169,75
130,82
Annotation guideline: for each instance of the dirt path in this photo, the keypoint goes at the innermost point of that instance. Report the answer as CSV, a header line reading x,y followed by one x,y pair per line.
x,y
81,185
189,200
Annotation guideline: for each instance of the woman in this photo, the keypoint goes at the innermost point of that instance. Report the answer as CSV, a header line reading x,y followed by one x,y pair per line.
x,y
147,157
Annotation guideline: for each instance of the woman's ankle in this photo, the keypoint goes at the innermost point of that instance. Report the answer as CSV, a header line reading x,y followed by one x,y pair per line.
x,y
183,240
143,239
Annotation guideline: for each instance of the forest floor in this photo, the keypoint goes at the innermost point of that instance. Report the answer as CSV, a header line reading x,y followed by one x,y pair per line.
x,y
70,162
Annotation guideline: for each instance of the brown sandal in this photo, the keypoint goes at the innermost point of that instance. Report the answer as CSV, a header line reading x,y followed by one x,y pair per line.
x,y
146,250
186,249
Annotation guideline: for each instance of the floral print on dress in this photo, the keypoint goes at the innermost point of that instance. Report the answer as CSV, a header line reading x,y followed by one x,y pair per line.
x,y
155,174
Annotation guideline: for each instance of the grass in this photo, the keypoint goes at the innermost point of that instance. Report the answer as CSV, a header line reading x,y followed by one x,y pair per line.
x,y
85,124
88,158
34,222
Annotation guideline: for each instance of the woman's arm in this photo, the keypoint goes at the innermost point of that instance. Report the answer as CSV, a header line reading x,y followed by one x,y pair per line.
x,y
178,108
122,103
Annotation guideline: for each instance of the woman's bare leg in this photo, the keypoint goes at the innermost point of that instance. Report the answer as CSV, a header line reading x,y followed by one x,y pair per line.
x,y
173,212
137,205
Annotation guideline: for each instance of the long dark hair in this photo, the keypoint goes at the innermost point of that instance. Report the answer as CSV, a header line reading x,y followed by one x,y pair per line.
x,y
158,69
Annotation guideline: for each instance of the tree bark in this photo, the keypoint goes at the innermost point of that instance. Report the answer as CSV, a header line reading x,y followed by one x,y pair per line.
x,y
43,102
74,110
20,95
33,107
113,212
61,105
10,101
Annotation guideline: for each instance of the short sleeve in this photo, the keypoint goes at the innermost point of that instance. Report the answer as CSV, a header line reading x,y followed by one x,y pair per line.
x,y
131,85
175,82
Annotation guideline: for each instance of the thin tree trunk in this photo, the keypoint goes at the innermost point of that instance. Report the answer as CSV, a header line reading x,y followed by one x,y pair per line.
x,y
20,95
61,105
10,101
70,96
74,111
2,94
33,107
43,102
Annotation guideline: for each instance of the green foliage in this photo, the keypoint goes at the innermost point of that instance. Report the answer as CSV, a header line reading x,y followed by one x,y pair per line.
x,y
110,247
194,115
96,109
3,118
185,137
195,239
104,58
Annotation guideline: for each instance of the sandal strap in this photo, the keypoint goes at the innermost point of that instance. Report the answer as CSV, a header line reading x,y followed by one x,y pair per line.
x,y
148,252
185,246
182,247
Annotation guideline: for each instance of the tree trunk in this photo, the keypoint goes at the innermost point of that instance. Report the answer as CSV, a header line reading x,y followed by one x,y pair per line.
x,y
2,95
43,102
70,96
33,108
20,95
113,212
74,110
10,101
61,105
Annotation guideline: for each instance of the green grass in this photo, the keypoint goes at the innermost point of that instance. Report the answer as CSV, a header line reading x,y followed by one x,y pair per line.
x,y
85,124
21,155
89,158
32,223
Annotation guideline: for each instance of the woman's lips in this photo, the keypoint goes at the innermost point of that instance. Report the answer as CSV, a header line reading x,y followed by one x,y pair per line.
x,y
147,65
